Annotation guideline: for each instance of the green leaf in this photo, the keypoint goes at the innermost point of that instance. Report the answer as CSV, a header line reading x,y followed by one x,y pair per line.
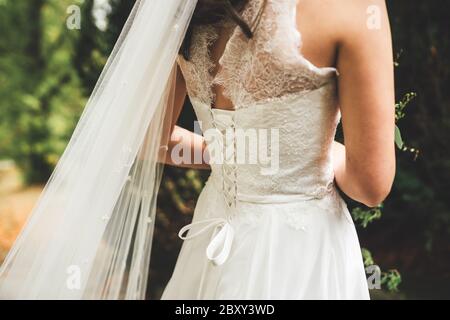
x,y
398,138
391,279
367,257
366,216
401,105
31,102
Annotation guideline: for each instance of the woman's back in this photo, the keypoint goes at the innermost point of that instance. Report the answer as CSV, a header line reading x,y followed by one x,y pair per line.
x,y
286,233
227,70
351,35
266,88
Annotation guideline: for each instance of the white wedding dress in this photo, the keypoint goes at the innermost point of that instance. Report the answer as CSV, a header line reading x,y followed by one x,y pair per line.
x,y
287,235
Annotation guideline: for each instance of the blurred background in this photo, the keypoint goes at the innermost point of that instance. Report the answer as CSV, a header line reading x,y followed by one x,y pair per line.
x,y
52,52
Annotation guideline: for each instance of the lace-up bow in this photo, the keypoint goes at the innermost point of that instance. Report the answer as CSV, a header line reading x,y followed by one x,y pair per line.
x,y
219,247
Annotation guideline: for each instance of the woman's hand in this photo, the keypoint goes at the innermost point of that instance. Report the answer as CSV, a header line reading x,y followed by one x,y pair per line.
x,y
186,149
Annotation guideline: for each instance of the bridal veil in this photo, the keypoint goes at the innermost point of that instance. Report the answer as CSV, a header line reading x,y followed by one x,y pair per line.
x,y
90,233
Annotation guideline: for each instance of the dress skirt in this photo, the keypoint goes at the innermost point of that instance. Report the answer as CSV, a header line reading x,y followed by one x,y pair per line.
x,y
297,249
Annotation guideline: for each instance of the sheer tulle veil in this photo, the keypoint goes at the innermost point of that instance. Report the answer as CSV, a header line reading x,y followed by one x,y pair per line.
x,y
90,234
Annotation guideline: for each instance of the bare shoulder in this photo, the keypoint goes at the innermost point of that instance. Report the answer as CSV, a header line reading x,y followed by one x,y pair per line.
x,y
345,19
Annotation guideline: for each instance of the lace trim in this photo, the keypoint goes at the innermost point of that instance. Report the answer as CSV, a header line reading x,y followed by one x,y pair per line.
x,y
269,66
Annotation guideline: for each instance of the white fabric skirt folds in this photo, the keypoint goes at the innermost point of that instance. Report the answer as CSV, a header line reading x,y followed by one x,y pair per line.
x,y
298,249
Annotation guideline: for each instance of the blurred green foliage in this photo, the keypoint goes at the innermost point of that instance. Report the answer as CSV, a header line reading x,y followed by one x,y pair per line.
x,y
47,72
366,216
39,90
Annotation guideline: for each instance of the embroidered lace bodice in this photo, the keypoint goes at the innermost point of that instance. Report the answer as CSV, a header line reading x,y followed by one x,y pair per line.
x,y
274,90
269,216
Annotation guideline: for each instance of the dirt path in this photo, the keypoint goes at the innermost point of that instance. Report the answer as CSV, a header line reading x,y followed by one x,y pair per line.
x,y
16,203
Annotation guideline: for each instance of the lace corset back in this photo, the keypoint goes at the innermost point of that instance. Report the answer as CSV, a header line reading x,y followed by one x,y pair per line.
x,y
266,67
271,86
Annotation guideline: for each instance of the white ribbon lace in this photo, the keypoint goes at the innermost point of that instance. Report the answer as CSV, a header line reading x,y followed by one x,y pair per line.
x,y
219,247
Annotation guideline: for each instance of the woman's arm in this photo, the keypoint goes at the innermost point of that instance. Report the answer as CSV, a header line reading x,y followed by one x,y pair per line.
x,y
365,167
182,140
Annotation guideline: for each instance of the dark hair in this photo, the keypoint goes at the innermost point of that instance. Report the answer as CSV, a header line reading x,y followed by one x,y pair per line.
x,y
213,11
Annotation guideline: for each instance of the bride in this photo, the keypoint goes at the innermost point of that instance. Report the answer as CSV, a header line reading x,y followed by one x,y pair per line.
x,y
265,227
